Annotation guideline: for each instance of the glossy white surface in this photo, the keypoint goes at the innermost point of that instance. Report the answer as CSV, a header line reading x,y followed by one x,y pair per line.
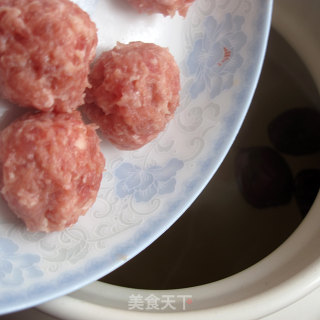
x,y
287,275
306,308
285,285
220,48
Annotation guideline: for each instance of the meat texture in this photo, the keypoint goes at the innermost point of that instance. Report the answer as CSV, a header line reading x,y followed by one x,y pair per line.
x,y
46,47
166,7
51,169
135,92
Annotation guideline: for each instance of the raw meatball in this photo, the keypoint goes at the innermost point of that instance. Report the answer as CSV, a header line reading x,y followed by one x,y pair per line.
x,y
135,92
51,168
166,7
45,50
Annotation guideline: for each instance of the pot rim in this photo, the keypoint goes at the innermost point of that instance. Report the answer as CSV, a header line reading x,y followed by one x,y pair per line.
x,y
283,277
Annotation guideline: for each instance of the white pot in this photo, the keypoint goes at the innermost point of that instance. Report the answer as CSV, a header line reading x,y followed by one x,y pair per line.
x,y
285,276
282,278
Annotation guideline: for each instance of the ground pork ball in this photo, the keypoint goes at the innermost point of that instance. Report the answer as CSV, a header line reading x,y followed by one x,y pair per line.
x,y
51,169
134,93
45,50
166,7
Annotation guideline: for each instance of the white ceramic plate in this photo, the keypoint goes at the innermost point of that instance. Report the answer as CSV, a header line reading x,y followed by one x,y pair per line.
x,y
220,48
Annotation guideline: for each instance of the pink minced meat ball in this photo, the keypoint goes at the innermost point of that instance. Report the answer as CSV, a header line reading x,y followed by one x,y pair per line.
x,y
166,7
51,169
46,47
134,93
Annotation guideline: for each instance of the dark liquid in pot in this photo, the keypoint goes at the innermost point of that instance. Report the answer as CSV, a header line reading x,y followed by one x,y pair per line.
x,y
224,231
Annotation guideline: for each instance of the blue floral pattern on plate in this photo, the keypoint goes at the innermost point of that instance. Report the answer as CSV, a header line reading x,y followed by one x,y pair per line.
x,y
14,266
215,57
144,184
220,48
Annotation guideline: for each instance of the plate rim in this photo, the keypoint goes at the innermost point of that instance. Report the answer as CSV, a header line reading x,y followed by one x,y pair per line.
x,y
74,284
